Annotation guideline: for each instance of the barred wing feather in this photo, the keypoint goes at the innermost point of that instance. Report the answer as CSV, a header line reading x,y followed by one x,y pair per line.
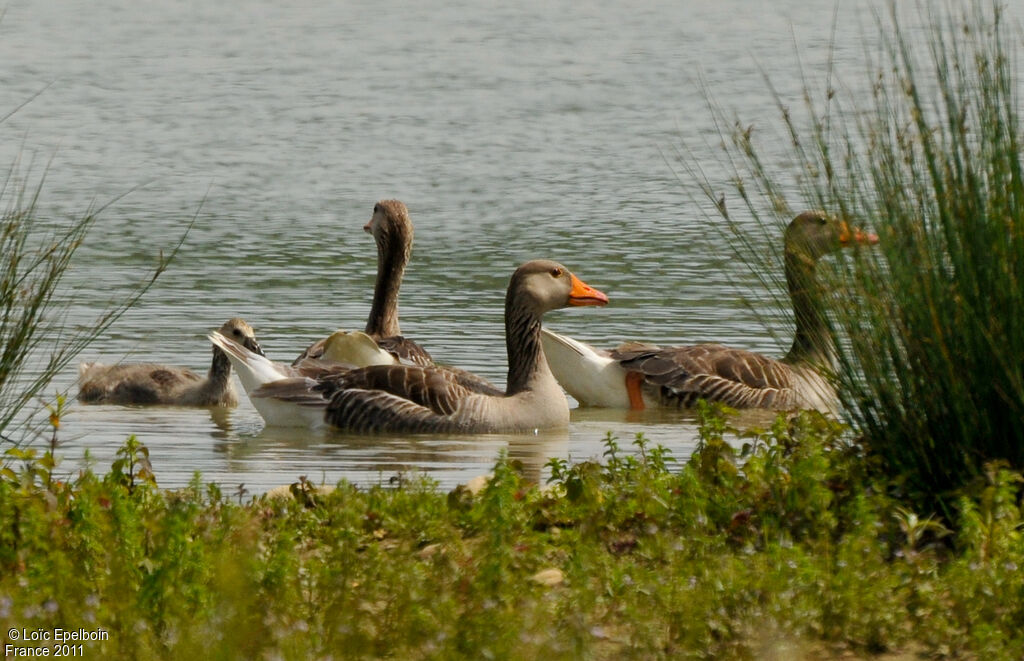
x,y
738,378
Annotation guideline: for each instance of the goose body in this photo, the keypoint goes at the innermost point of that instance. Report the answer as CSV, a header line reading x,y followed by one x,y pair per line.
x,y
155,384
340,352
255,370
392,231
590,375
638,375
435,399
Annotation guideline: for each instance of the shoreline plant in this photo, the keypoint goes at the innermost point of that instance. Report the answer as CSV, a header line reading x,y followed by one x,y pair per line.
x,y
36,340
779,543
928,323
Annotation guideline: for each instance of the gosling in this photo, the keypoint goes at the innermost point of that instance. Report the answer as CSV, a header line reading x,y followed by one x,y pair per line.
x,y
154,384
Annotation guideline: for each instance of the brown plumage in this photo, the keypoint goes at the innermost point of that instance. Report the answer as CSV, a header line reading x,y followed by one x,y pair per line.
x,y
638,375
679,376
392,230
397,398
153,384
431,399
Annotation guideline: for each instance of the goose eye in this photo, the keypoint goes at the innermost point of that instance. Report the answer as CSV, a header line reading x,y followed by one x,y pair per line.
x,y
236,333
822,220
556,272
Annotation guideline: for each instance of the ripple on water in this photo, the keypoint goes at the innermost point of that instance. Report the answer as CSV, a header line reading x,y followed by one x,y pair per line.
x,y
512,132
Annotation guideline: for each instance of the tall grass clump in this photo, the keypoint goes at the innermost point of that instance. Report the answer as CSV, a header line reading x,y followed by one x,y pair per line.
x,y
36,343
929,323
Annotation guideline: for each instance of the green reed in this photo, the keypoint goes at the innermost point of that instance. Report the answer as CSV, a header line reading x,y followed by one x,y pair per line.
x,y
930,335
36,343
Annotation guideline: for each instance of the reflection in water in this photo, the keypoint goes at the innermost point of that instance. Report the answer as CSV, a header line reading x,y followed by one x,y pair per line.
x,y
627,418
221,418
330,456
748,419
239,449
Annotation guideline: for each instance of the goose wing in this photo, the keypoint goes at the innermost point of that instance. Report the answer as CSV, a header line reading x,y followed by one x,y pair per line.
x,y
295,390
473,382
370,411
315,368
738,378
434,388
314,351
405,350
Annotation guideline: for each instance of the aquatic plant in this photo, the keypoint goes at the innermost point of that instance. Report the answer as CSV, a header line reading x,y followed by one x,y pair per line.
x,y
930,337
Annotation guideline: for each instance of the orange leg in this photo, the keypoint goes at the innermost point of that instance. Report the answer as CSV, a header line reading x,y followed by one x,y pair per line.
x,y
634,382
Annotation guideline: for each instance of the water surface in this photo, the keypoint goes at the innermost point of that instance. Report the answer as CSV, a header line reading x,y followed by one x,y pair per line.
x,y
512,131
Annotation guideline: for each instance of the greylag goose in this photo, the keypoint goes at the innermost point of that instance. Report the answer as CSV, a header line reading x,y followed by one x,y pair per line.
x,y
392,231
637,375
149,383
432,399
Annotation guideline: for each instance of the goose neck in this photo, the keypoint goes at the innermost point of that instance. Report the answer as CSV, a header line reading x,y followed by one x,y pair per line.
x,y
392,257
812,342
220,369
522,340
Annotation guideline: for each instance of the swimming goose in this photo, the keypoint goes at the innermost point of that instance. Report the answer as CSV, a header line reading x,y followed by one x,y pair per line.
x,y
637,375
433,399
392,230
149,383
341,351
255,369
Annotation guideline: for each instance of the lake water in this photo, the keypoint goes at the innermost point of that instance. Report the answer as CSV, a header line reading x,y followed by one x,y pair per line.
x,y
511,130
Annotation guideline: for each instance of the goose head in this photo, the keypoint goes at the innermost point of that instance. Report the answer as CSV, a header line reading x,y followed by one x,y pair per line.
x,y
814,234
242,333
809,237
390,225
542,285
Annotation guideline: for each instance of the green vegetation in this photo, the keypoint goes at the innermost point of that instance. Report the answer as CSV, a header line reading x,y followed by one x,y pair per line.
x,y
35,341
929,325
787,547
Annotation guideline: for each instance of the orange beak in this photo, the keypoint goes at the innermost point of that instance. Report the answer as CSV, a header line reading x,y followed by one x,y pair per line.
x,y
849,236
583,294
